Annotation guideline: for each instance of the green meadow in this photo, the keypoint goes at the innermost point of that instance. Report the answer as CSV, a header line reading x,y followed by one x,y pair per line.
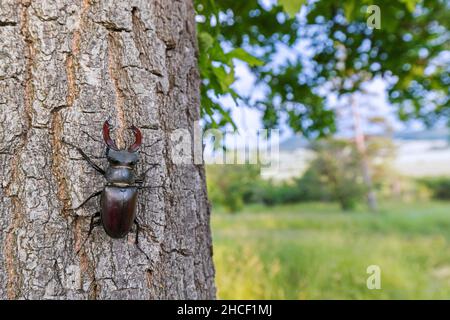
x,y
316,251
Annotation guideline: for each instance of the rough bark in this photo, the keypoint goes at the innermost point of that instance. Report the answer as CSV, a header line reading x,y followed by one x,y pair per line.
x,y
65,67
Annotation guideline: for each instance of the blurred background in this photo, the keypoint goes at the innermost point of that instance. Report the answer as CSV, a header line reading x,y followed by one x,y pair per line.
x,y
356,101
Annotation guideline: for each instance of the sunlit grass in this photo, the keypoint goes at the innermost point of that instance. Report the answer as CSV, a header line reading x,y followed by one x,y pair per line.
x,y
314,251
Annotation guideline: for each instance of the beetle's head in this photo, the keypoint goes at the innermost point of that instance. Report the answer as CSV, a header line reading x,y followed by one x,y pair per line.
x,y
116,157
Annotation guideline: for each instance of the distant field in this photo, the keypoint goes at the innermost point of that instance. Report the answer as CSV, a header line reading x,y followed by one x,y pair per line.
x,y
314,251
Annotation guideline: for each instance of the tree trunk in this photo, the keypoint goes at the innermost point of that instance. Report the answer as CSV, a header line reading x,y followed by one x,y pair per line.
x,y
361,148
65,67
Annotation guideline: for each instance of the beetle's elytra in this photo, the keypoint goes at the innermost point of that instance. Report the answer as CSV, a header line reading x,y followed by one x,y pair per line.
x,y
118,210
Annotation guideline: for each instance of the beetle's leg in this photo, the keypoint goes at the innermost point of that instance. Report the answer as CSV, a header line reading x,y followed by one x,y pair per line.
x,y
138,228
136,241
92,225
95,194
85,157
91,163
91,137
142,176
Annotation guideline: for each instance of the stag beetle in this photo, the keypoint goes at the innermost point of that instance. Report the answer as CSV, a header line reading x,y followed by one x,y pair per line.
x,y
118,199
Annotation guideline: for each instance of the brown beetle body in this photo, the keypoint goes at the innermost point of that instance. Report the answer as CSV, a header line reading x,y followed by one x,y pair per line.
x,y
118,209
119,196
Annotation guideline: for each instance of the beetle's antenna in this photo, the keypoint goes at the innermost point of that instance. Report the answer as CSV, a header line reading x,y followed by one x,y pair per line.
x,y
138,139
110,142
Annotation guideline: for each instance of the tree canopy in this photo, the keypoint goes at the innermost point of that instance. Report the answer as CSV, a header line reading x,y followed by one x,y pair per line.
x,y
339,53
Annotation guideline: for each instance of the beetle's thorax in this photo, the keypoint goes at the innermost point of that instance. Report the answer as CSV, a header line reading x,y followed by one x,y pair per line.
x,y
120,175
121,167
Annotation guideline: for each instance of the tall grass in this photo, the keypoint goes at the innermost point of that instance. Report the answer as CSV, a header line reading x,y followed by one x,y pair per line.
x,y
314,251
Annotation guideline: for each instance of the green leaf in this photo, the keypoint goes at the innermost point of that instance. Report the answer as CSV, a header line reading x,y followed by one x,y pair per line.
x,y
227,117
410,4
349,9
243,55
217,54
404,32
224,79
291,6
205,40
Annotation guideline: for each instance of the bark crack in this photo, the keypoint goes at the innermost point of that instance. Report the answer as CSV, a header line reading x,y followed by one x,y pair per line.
x,y
108,25
8,23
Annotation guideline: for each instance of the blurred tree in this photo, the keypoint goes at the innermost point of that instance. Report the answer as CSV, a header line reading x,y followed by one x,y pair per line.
x,y
360,115
336,169
439,187
335,166
333,175
230,186
340,53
